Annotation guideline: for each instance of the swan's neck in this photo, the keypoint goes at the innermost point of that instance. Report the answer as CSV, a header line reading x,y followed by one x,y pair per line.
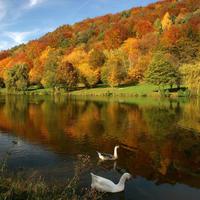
x,y
122,181
115,152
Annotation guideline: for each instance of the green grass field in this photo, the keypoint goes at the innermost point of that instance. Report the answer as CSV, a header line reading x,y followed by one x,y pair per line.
x,y
138,90
141,90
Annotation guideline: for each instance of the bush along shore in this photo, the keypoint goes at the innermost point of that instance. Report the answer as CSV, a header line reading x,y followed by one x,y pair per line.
x,y
14,186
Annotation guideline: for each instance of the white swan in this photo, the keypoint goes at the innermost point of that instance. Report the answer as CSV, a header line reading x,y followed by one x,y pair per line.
x,y
105,185
104,156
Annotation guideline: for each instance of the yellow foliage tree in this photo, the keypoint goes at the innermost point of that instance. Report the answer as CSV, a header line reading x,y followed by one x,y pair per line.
x,y
3,65
45,53
89,76
36,73
80,60
76,57
136,72
191,76
114,71
131,47
166,21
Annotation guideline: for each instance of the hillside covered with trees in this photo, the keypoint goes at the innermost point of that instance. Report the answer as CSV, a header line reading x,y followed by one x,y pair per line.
x,y
158,44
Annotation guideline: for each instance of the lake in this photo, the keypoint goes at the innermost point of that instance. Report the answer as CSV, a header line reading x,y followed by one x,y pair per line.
x,y
159,142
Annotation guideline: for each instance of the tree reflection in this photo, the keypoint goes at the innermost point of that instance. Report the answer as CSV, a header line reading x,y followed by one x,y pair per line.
x,y
158,141
16,108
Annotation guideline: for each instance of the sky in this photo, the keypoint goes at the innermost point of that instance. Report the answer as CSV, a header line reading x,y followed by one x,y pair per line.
x,y
24,20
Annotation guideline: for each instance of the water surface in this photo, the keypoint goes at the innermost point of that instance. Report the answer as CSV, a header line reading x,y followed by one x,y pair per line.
x,y
159,142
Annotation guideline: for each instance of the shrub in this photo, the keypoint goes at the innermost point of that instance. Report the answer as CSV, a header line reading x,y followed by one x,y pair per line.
x,y
14,186
17,78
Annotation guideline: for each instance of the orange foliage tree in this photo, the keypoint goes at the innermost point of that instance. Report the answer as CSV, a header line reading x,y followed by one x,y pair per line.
x,y
131,48
148,42
36,73
143,27
171,36
20,58
4,54
115,36
67,75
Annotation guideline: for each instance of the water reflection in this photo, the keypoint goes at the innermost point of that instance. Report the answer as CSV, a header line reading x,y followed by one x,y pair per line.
x,y
160,140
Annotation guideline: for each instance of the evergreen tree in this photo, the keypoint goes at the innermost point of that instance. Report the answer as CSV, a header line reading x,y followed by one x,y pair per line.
x,y
158,26
2,84
162,72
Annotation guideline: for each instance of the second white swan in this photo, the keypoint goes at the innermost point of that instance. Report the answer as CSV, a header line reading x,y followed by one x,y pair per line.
x,y
105,156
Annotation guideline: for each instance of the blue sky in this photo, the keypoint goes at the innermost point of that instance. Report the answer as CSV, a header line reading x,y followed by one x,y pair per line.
x,y
24,20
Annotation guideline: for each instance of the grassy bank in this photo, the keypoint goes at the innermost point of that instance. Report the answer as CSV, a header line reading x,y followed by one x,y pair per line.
x,y
15,186
142,90
37,92
138,90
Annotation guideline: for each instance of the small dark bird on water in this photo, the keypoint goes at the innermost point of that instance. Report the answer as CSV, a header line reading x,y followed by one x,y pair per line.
x,y
14,142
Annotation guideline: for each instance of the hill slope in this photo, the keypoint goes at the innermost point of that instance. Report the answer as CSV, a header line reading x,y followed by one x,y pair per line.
x,y
114,49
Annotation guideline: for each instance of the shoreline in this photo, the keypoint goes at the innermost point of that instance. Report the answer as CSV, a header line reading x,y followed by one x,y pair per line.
x,y
137,91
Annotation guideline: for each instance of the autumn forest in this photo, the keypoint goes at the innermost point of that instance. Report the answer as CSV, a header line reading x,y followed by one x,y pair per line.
x,y
157,44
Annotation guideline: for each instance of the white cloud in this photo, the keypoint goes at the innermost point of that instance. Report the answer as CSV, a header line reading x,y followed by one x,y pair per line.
x,y
11,12
10,39
19,37
33,3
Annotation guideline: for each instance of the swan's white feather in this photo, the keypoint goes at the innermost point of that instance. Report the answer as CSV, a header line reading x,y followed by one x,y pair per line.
x,y
105,156
105,185
102,184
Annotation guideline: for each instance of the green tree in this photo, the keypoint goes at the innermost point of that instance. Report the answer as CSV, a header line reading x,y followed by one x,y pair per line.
x,y
64,42
49,78
191,76
158,26
2,84
17,78
84,36
126,14
161,72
